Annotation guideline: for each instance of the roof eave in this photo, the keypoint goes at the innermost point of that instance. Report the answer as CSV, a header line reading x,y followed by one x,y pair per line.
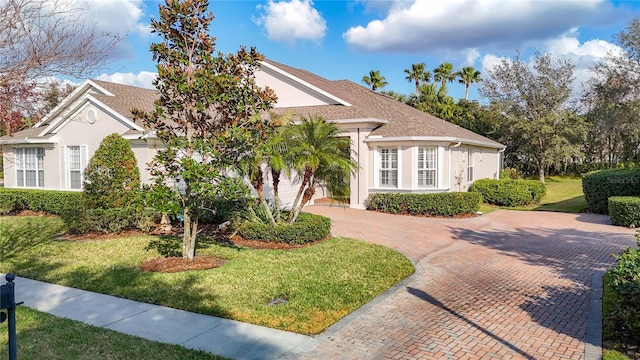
x,y
450,139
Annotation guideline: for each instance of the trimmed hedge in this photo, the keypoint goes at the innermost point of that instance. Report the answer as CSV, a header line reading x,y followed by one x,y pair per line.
x,y
437,204
70,206
307,228
599,186
509,192
47,201
110,221
624,210
624,280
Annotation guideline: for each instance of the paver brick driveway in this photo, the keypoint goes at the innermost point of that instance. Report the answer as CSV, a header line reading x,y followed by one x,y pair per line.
x,y
505,285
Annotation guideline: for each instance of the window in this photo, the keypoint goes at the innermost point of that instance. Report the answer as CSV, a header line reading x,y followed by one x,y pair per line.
x,y
427,166
30,167
75,167
388,167
470,165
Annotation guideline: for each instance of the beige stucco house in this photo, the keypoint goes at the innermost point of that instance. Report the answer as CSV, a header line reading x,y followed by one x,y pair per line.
x,y
398,148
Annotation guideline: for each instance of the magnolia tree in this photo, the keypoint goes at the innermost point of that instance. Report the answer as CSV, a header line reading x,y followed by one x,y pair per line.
x,y
207,113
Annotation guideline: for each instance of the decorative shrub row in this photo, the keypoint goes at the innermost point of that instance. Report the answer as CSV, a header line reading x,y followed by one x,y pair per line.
x,y
47,201
509,192
599,186
438,204
624,280
109,221
307,228
624,210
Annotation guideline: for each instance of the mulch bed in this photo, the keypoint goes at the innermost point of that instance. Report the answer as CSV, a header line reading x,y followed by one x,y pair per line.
x,y
177,264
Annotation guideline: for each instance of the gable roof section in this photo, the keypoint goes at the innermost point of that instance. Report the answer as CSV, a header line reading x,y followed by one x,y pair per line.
x,y
351,102
403,121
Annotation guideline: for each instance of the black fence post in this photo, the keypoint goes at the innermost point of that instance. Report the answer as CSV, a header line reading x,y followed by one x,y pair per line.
x,y
8,301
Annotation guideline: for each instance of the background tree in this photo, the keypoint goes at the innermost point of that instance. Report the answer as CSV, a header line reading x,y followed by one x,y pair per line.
x,y
54,92
444,74
534,99
112,177
417,74
41,38
467,76
207,113
612,100
375,80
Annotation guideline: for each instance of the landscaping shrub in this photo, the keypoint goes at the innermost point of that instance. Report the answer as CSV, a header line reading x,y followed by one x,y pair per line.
x,y
509,192
8,202
438,204
109,221
624,210
307,228
47,201
112,177
625,285
599,186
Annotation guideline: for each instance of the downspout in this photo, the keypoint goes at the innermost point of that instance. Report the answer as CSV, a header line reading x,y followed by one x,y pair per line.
x,y
359,172
450,170
500,162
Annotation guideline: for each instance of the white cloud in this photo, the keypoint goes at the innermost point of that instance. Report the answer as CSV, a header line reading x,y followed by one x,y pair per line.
x,y
471,55
142,79
291,20
428,26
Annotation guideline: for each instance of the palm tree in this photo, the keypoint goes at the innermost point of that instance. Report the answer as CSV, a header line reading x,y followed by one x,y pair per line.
x,y
444,73
394,94
467,76
375,80
418,74
320,156
270,155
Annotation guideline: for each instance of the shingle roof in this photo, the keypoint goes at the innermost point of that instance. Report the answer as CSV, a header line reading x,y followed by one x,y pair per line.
x,y
403,120
126,98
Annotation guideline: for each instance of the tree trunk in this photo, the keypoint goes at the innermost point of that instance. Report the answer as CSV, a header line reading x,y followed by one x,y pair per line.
x,y
466,92
308,194
189,235
308,173
275,176
258,183
541,173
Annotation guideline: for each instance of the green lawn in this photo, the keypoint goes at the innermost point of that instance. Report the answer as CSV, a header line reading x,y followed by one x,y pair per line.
x,y
43,336
322,283
564,194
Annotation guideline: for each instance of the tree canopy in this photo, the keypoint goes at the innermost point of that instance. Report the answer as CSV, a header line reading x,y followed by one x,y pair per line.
x,y
208,113
534,98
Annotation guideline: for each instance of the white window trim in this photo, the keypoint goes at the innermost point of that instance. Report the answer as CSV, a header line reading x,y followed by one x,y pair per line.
x,y
20,166
418,169
377,167
65,171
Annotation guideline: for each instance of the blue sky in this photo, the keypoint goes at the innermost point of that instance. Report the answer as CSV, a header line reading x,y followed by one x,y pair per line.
x,y
346,39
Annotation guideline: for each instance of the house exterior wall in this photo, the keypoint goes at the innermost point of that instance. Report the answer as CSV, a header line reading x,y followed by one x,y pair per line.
x,y
486,164
452,162
289,95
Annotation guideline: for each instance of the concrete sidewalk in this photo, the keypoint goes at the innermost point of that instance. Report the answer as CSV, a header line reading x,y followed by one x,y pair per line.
x,y
229,338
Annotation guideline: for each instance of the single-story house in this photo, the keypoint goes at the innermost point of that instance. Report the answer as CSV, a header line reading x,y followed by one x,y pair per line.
x,y
398,148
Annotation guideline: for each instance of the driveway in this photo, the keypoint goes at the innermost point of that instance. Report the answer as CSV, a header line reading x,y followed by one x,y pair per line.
x,y
505,285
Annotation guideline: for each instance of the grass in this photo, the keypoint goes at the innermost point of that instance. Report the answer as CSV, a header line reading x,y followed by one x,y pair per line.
x,y
322,283
564,194
43,336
